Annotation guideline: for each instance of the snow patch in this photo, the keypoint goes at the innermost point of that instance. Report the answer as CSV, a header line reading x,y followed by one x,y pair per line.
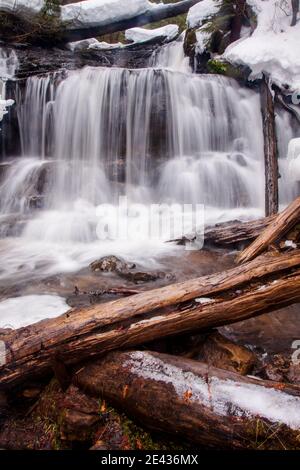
x,y
201,12
223,397
273,48
168,32
29,6
22,311
101,12
204,300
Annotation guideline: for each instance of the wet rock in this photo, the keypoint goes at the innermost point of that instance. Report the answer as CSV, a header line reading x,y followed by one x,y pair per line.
x,y
275,367
293,374
111,264
77,426
220,352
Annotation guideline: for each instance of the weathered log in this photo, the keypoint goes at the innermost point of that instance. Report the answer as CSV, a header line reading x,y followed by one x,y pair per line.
x,y
229,234
265,284
270,149
279,226
208,406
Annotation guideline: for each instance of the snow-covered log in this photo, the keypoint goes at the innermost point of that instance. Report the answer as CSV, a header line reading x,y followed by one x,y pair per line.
x,y
202,404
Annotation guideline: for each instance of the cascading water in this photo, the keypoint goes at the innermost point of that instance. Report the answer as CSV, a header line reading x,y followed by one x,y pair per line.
x,y
156,135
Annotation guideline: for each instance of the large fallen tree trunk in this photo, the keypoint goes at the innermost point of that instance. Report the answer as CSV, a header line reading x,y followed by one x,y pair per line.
x,y
208,406
265,284
229,234
279,227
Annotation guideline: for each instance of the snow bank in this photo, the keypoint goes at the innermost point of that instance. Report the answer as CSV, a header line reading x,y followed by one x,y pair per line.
x,y
223,397
168,32
273,48
4,104
29,6
18,312
101,12
201,12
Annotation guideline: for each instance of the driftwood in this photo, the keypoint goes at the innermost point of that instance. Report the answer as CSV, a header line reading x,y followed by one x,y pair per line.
x,y
265,284
270,149
208,406
279,227
230,234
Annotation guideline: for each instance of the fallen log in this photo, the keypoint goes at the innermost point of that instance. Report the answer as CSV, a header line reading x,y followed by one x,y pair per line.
x,y
270,149
229,234
152,15
68,31
265,284
278,227
207,406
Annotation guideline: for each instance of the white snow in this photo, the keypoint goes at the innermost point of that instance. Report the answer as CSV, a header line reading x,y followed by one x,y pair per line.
x,y
204,300
101,12
4,104
223,397
273,48
201,12
168,32
29,6
290,244
18,312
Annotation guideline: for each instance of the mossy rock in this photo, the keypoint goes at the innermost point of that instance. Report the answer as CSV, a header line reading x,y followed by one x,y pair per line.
x,y
222,67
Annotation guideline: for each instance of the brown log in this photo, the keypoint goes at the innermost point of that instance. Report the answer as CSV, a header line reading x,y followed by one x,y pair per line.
x,y
230,234
270,149
235,295
197,402
280,226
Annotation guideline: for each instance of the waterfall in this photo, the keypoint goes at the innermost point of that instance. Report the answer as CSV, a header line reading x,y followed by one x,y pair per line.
x,y
157,129
156,135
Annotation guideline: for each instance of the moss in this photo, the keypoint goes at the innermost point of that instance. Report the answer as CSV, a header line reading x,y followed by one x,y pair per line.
x,y
217,66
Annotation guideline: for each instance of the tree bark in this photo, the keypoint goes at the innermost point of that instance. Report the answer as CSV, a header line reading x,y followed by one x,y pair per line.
x,y
295,8
205,405
279,227
234,295
270,149
230,234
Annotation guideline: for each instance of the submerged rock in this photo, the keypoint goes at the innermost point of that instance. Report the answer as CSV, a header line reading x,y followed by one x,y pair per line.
x,y
111,264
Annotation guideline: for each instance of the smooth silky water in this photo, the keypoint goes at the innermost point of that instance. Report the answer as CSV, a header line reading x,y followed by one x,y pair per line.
x,y
159,135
